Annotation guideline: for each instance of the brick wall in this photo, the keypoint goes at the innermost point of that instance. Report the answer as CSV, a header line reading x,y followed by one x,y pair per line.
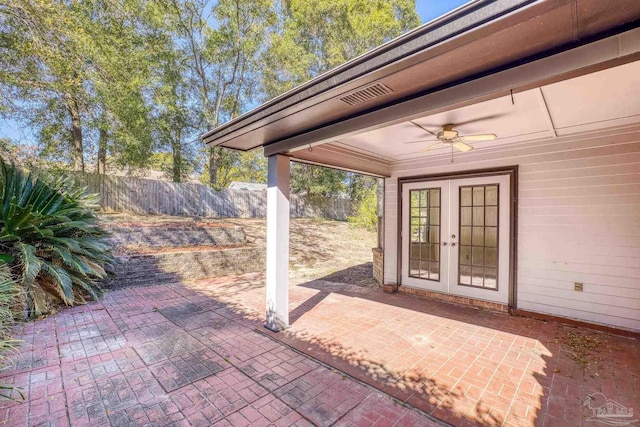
x,y
378,262
455,299
167,267
176,236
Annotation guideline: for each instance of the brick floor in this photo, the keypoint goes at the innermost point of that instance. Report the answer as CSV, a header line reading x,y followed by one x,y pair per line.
x,y
196,354
174,355
461,365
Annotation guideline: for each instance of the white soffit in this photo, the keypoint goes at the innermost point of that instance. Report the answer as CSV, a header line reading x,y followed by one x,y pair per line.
x,y
607,98
521,119
591,102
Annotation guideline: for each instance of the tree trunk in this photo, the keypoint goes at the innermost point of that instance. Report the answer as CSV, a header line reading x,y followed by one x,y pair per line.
x,y
213,166
102,151
177,161
77,150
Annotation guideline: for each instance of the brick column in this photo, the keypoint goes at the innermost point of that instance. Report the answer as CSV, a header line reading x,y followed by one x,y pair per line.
x,y
378,262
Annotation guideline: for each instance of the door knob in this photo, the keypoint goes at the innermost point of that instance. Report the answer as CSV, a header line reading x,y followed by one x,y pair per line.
x,y
453,244
444,243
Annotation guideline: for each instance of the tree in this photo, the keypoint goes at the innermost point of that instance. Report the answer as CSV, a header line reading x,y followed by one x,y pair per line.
x,y
249,166
315,37
316,180
73,69
124,80
319,35
42,71
359,186
173,125
127,45
222,63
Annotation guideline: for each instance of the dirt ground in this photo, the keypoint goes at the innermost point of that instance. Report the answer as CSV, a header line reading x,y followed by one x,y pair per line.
x,y
332,250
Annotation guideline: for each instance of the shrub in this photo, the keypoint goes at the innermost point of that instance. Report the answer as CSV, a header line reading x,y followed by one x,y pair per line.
x,y
49,227
9,299
366,211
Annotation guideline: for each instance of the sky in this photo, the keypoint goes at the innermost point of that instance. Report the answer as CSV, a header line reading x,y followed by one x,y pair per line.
x,y
427,9
431,9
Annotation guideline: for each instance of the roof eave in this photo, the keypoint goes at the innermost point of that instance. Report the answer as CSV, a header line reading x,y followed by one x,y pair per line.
x,y
451,23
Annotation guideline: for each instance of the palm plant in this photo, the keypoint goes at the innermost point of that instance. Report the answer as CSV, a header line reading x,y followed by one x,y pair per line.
x,y
49,227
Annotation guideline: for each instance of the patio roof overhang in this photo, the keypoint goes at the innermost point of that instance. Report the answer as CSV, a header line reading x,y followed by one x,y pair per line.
x,y
462,66
481,51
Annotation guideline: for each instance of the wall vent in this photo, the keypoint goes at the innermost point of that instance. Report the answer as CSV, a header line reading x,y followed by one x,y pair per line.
x,y
366,94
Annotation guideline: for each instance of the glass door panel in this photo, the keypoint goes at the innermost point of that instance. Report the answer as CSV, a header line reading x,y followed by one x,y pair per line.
x,y
424,256
425,219
479,259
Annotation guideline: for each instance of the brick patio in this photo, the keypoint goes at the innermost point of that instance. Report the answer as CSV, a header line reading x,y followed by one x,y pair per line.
x,y
168,355
462,365
196,354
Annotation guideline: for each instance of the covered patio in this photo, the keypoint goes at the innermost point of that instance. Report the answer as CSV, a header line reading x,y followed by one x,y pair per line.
x,y
508,137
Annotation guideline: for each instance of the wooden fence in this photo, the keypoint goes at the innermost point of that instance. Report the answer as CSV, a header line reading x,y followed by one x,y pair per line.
x,y
148,196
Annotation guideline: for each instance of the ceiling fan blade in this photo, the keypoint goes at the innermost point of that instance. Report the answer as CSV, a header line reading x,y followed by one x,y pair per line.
x,y
422,127
479,119
418,140
456,124
424,150
482,137
461,146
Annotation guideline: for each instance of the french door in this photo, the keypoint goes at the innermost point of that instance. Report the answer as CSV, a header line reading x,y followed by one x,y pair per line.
x,y
455,237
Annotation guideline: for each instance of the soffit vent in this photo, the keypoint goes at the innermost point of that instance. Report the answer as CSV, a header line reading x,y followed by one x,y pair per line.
x,y
366,94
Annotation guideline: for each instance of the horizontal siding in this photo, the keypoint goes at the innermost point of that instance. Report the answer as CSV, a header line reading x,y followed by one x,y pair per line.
x,y
587,171
568,293
564,308
579,221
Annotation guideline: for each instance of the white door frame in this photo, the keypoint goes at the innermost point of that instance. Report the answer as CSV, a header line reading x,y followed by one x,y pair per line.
x,y
507,177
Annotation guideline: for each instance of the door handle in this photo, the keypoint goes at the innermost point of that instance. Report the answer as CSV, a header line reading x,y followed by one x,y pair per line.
x,y
444,243
453,244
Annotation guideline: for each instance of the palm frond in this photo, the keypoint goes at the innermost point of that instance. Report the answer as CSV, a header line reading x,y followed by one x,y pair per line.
x,y
49,227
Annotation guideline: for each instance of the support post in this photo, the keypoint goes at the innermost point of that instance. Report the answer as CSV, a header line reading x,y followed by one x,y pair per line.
x,y
277,288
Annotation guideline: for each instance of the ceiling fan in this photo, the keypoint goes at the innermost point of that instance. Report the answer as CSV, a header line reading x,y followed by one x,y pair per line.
x,y
449,136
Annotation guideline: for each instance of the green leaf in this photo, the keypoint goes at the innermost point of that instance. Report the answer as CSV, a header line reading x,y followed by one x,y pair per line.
x,y
6,258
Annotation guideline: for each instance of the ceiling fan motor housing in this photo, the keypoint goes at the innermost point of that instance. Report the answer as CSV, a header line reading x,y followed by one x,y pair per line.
x,y
447,133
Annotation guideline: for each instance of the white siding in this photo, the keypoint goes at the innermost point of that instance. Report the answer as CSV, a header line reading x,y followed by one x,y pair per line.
x,y
579,221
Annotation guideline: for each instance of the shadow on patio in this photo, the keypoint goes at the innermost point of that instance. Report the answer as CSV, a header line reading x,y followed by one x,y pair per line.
x,y
461,365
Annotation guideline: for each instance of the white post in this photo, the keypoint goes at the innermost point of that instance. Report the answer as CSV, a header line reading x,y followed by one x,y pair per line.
x,y
278,243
